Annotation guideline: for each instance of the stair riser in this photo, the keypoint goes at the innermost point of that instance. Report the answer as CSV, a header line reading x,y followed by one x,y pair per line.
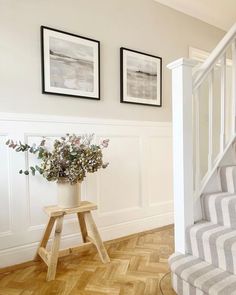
x,y
228,179
220,209
183,288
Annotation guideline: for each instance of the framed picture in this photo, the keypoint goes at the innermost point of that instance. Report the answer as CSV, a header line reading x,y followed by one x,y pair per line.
x,y
141,78
70,64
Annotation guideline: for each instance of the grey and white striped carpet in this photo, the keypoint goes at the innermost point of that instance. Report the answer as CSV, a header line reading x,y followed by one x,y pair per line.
x,y
193,276
181,287
227,175
209,267
220,208
213,243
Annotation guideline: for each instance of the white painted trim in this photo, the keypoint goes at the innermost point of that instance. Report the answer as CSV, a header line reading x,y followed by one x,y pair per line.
x,y
181,62
24,253
78,120
198,54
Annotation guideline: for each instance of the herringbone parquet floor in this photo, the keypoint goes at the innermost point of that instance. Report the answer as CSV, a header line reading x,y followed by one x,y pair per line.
x,y
137,265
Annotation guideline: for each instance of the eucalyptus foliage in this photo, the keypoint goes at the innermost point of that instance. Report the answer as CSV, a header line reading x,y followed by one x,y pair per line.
x,y
68,160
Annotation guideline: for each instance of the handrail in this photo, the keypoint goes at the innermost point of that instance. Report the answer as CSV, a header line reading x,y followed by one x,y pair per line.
x,y
209,63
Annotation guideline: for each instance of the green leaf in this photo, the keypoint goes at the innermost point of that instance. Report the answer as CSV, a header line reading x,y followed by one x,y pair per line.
x,y
18,149
40,170
32,170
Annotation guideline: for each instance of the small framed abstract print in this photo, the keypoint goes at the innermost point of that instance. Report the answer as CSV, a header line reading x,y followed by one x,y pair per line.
x,y
141,78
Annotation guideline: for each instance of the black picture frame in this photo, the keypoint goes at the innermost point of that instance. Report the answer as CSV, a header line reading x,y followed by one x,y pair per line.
x,y
45,75
122,76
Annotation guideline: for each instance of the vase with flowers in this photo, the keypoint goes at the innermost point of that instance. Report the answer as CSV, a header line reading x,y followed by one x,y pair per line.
x,y
67,161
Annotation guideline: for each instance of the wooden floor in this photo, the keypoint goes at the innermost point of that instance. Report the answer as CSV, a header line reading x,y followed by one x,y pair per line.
x,y
137,265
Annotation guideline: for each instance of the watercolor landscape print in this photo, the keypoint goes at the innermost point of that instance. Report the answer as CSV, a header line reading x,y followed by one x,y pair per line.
x,y
71,65
140,78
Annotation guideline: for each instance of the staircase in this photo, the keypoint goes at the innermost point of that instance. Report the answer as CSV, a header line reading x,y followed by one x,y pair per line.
x,y
204,261
209,264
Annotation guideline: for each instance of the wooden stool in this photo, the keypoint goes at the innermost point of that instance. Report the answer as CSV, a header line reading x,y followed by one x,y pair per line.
x,y
89,231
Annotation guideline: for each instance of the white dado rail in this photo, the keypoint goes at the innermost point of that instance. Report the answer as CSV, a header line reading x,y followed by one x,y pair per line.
x,y
196,157
133,194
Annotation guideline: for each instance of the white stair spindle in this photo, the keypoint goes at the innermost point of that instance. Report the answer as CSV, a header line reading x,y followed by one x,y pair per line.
x,y
210,120
182,149
197,141
233,86
222,104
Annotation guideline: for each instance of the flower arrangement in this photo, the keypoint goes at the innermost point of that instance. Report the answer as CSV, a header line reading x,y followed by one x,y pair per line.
x,y
68,160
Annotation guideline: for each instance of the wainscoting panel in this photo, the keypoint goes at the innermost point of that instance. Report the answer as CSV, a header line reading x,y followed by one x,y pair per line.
x,y
158,173
133,194
124,175
5,197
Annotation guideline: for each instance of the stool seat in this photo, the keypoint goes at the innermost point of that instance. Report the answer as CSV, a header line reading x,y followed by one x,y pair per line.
x,y
52,211
89,232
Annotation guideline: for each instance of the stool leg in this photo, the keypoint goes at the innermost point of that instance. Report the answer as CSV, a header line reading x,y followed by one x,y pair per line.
x,y
83,227
52,265
95,238
46,236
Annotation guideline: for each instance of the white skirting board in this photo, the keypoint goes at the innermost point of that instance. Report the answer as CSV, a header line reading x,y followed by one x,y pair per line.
x,y
133,194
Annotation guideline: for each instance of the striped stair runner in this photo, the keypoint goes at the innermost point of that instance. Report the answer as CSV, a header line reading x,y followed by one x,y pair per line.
x,y
220,208
216,244
194,276
209,266
227,176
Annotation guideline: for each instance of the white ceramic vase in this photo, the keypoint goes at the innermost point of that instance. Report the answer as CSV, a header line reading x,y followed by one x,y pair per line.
x,y
68,195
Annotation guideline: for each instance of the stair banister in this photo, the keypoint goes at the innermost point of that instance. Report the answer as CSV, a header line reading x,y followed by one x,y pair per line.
x,y
182,148
186,95
219,50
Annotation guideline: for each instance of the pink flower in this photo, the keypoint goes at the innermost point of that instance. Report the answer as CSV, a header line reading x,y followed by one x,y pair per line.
x,y
105,143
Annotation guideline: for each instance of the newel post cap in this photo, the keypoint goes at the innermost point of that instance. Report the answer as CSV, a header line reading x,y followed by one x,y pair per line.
x,y
182,62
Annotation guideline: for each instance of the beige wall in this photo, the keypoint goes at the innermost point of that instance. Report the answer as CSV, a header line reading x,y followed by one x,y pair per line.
x,y
143,25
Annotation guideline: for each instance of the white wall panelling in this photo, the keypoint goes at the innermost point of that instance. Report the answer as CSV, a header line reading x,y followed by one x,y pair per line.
x,y
133,194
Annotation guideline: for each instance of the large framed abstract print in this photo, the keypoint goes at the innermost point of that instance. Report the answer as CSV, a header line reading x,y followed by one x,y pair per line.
x,y
70,64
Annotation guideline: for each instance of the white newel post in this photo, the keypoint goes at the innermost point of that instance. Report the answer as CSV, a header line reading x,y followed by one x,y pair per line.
x,y
182,119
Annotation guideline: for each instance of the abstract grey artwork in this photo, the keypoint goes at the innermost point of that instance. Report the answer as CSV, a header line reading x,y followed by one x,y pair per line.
x,y
70,64
140,78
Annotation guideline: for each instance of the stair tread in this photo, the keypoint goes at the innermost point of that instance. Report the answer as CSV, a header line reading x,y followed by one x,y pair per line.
x,y
227,166
202,275
219,193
